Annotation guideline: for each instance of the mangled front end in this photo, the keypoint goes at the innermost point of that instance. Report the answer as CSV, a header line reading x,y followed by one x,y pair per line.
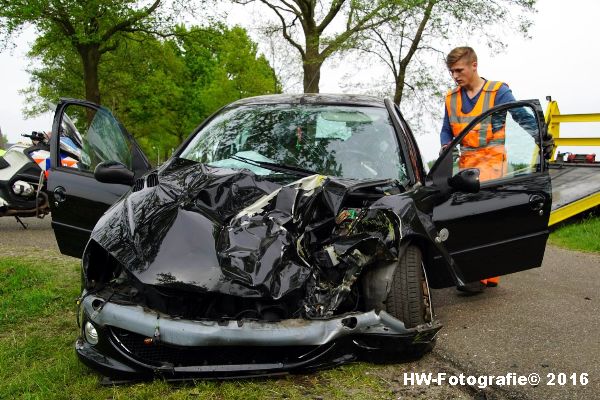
x,y
214,272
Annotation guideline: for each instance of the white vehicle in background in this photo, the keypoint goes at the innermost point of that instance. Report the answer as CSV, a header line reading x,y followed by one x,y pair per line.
x,y
23,172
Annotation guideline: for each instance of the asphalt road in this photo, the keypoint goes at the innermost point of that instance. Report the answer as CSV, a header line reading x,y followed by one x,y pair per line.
x,y
38,235
544,321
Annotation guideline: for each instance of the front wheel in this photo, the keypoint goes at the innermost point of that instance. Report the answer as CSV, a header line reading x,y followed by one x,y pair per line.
x,y
408,299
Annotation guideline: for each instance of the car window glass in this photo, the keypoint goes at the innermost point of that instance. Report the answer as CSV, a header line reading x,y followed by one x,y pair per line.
x,y
345,141
89,136
502,145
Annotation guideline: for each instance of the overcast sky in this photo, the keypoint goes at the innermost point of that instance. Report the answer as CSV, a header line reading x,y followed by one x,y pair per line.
x,y
562,60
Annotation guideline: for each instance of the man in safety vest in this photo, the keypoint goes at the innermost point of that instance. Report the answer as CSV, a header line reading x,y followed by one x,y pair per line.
x,y
483,147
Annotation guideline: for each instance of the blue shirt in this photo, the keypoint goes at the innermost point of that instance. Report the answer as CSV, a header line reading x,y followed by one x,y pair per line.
x,y
504,95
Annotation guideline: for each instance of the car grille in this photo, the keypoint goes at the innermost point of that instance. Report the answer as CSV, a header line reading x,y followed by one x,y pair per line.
x,y
150,181
161,354
138,185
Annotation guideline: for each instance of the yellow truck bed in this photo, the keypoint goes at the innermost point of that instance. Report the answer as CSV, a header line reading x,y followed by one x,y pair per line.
x,y
574,189
575,186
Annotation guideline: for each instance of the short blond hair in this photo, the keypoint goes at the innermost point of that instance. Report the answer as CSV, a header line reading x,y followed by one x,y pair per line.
x,y
459,53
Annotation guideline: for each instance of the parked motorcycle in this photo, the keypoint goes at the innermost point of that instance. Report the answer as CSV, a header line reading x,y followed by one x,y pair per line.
x,y
23,171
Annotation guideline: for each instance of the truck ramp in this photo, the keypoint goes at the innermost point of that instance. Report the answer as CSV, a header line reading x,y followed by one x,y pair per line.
x,y
575,178
575,189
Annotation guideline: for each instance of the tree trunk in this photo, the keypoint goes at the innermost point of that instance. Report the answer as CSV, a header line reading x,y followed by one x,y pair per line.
x,y
399,89
398,92
311,64
90,57
312,76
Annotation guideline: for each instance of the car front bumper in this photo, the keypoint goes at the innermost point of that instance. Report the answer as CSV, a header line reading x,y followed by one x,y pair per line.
x,y
137,343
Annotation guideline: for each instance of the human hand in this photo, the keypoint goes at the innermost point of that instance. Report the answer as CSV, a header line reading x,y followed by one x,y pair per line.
x,y
548,146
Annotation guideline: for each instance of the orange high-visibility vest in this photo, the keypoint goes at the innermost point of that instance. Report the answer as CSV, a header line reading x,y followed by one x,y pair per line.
x,y
481,148
481,135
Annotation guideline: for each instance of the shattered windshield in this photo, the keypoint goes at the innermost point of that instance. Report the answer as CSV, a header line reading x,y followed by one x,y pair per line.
x,y
344,141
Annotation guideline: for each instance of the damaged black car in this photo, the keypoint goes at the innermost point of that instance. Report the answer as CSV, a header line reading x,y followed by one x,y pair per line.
x,y
288,233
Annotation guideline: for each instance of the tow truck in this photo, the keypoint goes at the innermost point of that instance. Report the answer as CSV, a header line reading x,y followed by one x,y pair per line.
x,y
575,177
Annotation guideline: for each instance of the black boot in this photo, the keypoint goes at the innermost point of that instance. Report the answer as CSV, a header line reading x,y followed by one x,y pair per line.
x,y
471,287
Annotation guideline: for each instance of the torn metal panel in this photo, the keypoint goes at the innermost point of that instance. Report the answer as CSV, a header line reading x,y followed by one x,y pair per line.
x,y
227,231
413,222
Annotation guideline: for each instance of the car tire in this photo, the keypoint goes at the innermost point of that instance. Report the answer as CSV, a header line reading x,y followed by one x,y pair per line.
x,y
407,300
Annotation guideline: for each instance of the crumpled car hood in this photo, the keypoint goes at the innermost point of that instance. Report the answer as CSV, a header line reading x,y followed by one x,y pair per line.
x,y
229,231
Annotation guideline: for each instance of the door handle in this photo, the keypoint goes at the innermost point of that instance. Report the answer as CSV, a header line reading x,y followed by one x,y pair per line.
x,y
536,202
60,195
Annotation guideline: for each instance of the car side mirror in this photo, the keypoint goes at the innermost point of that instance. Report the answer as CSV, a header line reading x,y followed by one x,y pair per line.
x,y
466,180
113,172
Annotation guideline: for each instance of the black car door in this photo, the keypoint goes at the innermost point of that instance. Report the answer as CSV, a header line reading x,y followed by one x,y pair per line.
x,y
502,227
83,135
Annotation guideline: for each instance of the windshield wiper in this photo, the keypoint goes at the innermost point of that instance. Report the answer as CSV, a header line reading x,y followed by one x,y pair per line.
x,y
276,167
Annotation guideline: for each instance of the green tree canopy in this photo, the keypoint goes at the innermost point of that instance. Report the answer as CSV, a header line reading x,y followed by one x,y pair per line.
x,y
160,89
91,29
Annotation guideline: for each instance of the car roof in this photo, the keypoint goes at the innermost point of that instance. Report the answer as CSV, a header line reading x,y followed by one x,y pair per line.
x,y
311,98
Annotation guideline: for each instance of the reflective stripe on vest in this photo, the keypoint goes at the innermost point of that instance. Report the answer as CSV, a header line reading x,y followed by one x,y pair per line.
x,y
481,134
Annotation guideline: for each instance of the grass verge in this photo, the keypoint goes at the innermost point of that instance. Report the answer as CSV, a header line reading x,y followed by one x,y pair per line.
x,y
582,234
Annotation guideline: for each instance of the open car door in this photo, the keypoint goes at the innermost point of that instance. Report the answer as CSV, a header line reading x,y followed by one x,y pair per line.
x,y
498,225
85,134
